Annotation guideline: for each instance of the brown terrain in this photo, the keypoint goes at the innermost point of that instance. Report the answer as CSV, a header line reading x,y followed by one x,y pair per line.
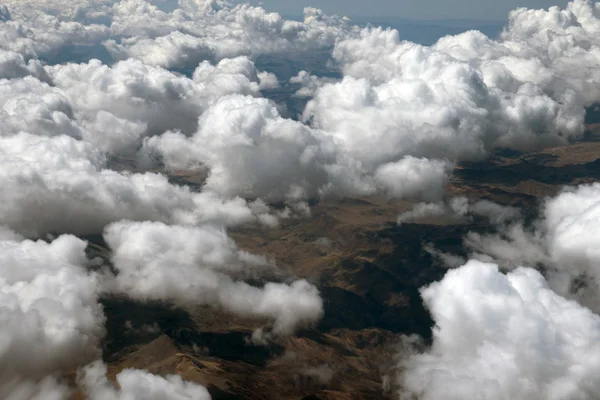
x,y
369,270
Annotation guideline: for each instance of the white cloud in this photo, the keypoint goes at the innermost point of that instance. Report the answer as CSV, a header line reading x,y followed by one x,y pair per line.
x,y
61,185
309,83
50,318
459,209
563,239
33,106
504,336
137,385
119,105
202,265
216,30
48,388
411,177
250,150
398,98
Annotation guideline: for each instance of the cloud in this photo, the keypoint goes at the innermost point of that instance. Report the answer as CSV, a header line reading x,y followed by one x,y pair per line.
x,y
250,150
50,317
51,323
4,14
447,260
323,373
572,221
397,101
36,34
62,185
398,98
497,214
30,105
502,335
202,265
215,30
137,385
460,210
122,104
309,83
48,388
414,178
562,240
13,65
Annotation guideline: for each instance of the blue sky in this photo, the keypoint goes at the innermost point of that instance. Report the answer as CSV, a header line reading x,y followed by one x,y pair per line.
x,y
413,9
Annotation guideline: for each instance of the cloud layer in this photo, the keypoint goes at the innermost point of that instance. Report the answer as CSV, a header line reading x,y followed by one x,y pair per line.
x,y
151,126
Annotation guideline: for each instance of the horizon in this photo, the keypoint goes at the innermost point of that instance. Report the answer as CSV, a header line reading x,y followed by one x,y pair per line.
x,y
413,10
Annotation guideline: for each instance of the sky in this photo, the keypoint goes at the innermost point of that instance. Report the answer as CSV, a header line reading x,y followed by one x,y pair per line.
x,y
412,9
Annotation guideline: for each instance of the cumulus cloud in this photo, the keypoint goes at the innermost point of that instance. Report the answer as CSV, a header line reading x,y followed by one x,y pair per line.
x,y
119,105
411,177
250,150
30,105
137,385
35,34
52,323
60,185
398,98
214,30
562,239
309,83
202,265
397,101
502,335
51,319
13,65
459,210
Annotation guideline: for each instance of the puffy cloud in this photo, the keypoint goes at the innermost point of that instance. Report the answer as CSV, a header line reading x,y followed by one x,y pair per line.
x,y
563,42
119,105
423,210
180,38
48,388
60,184
309,83
36,34
398,98
267,81
137,385
51,320
215,30
563,239
397,121
13,65
33,106
572,220
202,265
459,209
250,150
499,336
414,178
